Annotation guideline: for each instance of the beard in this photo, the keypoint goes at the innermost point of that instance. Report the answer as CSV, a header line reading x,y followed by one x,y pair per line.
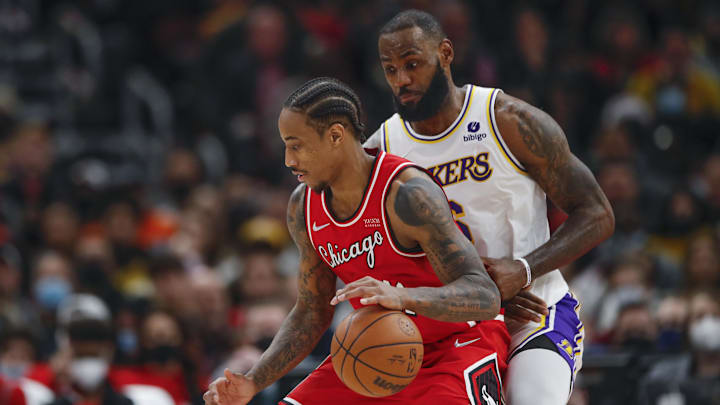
x,y
430,102
319,188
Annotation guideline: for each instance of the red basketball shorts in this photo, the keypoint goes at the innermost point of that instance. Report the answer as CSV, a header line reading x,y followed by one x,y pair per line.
x,y
463,368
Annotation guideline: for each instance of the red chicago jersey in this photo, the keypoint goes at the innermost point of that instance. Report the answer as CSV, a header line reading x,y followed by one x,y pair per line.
x,y
363,245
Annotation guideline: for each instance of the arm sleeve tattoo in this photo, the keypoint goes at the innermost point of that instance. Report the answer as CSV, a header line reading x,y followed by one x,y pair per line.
x,y
540,144
312,313
469,294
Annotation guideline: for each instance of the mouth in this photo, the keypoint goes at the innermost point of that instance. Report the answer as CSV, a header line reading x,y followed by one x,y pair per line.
x,y
407,98
300,175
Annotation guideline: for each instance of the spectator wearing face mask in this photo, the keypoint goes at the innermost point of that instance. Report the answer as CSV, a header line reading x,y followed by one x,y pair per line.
x,y
53,280
163,362
17,353
86,329
691,378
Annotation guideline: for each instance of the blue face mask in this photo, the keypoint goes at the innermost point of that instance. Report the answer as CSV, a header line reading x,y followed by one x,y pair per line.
x,y
50,291
670,340
127,341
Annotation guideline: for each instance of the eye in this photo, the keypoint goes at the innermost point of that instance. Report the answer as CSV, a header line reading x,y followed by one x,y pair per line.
x,y
411,65
389,70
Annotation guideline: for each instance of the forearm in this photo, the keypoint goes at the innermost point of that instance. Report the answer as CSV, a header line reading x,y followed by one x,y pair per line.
x,y
469,298
297,337
583,230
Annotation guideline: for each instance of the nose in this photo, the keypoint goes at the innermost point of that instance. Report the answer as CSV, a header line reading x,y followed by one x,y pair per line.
x,y
290,160
403,78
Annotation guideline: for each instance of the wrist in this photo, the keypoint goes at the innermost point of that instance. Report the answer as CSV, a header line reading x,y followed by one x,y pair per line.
x,y
527,271
257,387
406,301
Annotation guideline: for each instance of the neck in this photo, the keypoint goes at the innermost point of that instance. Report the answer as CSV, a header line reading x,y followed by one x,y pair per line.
x,y
446,116
348,187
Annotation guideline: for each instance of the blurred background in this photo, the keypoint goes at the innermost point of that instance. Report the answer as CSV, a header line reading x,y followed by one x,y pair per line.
x,y
143,190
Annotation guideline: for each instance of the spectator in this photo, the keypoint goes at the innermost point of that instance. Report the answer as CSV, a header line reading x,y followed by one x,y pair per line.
x,y
260,278
676,85
163,363
689,378
702,263
171,284
17,353
86,322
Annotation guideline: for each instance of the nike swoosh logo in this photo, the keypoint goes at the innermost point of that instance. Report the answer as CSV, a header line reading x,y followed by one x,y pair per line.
x,y
319,228
458,344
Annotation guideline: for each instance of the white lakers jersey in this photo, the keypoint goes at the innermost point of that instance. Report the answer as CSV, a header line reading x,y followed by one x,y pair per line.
x,y
494,201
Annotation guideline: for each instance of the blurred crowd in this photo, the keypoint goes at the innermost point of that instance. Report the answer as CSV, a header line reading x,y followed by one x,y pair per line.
x,y
143,188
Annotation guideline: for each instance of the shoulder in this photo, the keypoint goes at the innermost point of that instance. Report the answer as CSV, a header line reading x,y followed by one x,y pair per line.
x,y
414,197
530,133
295,211
297,198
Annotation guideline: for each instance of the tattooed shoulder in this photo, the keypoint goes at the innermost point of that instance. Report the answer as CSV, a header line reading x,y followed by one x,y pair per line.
x,y
296,217
541,137
419,201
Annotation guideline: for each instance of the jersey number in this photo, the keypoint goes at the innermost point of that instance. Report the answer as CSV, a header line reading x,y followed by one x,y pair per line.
x,y
458,212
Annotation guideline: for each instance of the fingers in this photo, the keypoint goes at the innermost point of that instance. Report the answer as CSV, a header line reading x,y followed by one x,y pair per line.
x,y
211,396
357,288
354,292
520,314
372,300
531,302
229,375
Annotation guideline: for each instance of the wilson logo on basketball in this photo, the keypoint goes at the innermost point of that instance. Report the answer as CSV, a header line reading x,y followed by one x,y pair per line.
x,y
387,385
335,256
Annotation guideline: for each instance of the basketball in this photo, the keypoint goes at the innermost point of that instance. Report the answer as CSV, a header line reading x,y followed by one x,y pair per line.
x,y
376,352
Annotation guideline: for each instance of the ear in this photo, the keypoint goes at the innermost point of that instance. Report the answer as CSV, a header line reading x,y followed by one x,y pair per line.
x,y
336,133
446,53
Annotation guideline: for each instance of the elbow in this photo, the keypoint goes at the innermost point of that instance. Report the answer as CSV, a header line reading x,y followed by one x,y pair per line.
x,y
605,221
495,302
491,305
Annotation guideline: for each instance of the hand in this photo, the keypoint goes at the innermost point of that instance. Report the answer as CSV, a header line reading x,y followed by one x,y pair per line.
x,y
371,292
525,307
233,389
508,274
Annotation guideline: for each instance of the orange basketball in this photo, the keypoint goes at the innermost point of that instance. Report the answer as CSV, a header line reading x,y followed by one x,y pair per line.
x,y
376,352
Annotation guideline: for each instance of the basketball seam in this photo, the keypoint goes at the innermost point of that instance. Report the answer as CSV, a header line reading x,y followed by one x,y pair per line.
x,y
347,351
375,347
347,330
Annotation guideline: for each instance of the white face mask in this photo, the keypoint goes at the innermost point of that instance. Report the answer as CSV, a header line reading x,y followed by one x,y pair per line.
x,y
705,334
89,372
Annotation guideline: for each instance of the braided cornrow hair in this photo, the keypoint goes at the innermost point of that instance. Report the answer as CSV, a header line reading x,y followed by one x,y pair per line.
x,y
325,98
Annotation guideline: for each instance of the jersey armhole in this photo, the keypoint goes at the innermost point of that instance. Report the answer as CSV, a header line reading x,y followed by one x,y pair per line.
x,y
306,213
415,251
504,149
385,141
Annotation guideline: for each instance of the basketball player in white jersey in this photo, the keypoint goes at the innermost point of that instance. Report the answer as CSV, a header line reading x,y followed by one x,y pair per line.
x,y
498,158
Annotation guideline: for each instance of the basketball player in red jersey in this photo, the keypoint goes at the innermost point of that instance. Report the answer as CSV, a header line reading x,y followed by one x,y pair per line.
x,y
384,227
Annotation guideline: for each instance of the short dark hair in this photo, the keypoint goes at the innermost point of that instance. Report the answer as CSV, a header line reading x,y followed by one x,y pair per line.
x,y
415,18
323,98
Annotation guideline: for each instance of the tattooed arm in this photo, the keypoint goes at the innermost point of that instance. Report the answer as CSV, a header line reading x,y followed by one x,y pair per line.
x,y
419,215
303,327
541,147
